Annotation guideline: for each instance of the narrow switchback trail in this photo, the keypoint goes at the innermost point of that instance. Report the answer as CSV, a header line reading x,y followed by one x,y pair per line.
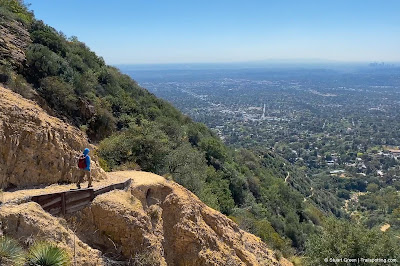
x,y
138,177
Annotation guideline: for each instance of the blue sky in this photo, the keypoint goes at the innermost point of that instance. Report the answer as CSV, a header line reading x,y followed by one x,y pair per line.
x,y
188,31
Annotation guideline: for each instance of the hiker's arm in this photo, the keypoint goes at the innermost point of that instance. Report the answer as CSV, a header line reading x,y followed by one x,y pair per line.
x,y
87,163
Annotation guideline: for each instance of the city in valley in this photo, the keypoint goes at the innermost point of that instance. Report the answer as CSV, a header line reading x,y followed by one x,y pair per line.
x,y
339,124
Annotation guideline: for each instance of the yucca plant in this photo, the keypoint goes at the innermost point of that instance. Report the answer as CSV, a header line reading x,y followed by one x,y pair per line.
x,y
47,254
11,253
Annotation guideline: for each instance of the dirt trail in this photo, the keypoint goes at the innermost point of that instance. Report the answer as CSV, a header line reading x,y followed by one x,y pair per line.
x,y
138,178
385,227
287,177
353,198
309,196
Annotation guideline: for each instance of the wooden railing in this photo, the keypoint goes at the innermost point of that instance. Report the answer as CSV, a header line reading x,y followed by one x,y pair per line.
x,y
73,200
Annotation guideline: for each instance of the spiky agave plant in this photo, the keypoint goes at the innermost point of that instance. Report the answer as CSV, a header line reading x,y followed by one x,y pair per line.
x,y
47,254
11,253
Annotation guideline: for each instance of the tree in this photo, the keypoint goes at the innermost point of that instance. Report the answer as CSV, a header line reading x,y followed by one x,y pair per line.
x,y
146,145
42,62
49,37
342,239
188,167
216,152
59,94
219,187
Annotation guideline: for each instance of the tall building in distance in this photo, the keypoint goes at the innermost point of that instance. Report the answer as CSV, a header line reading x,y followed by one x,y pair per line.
x,y
263,115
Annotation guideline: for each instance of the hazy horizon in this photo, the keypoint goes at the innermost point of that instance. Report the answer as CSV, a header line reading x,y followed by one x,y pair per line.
x,y
186,32
284,64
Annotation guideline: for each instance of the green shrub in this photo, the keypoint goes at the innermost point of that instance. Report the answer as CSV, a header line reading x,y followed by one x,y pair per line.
x,y
103,164
42,62
17,9
268,234
216,151
146,145
11,253
218,187
278,255
314,214
101,125
15,82
47,254
188,167
344,194
49,37
342,239
6,73
59,94
372,187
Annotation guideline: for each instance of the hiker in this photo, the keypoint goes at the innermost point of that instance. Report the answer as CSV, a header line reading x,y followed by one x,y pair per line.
x,y
84,166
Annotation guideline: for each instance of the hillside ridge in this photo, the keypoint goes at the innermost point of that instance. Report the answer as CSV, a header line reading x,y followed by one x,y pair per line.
x,y
155,218
133,129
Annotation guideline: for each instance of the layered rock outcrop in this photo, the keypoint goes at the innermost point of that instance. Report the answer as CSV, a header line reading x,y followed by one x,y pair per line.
x,y
28,223
14,39
36,148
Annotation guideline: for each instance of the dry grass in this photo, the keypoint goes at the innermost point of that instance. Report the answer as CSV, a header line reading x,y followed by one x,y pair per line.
x,y
14,101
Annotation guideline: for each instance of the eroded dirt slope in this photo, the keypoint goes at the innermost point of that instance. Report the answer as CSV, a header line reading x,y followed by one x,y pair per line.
x,y
36,148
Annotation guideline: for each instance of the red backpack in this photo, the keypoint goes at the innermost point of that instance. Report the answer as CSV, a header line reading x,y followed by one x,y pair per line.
x,y
82,162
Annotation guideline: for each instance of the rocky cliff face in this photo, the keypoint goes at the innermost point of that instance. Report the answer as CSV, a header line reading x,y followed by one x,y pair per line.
x,y
170,225
36,148
14,39
28,223
155,222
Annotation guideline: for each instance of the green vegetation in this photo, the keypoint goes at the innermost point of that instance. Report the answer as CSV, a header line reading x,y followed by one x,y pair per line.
x,y
339,126
341,239
12,9
47,254
136,129
11,253
40,254
258,189
376,208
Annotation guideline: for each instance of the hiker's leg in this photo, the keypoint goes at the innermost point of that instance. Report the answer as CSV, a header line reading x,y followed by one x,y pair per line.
x,y
89,175
80,178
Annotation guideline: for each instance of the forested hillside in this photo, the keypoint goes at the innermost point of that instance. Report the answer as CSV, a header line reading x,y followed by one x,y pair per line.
x,y
136,130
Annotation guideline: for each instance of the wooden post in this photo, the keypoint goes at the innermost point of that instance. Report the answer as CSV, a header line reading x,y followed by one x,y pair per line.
x,y
92,195
63,209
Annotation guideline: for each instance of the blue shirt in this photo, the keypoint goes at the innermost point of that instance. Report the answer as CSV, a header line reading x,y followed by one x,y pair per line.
x,y
87,159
